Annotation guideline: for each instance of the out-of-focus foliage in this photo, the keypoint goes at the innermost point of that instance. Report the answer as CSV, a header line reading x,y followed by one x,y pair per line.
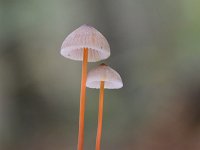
x,y
155,46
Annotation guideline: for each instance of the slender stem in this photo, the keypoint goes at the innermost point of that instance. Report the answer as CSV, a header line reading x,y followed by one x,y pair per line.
x,y
82,100
100,116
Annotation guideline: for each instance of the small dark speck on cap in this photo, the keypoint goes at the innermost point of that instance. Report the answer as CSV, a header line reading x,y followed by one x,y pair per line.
x,y
87,25
103,64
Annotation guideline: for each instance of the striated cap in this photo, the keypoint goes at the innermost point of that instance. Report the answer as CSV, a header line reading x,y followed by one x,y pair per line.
x,y
85,37
111,78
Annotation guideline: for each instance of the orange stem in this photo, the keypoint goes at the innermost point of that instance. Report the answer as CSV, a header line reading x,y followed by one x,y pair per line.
x,y
82,100
100,116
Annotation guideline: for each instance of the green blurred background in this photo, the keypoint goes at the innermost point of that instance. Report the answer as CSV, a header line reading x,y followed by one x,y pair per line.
x,y
155,46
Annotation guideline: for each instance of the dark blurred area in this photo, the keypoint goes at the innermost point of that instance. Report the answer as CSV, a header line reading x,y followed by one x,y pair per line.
x,y
155,46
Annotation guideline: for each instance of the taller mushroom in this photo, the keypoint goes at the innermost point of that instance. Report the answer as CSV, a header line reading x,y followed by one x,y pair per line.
x,y
85,44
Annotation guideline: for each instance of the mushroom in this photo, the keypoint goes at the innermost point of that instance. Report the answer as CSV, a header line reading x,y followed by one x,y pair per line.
x,y
85,44
102,77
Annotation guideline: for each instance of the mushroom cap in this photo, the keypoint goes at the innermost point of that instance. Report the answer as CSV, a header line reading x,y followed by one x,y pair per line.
x,y
85,37
111,78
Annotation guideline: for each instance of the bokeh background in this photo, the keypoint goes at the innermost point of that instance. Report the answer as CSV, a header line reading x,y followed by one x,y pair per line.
x,y
155,46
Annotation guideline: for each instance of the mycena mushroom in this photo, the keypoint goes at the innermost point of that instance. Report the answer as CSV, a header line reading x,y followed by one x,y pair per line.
x,y
103,77
85,44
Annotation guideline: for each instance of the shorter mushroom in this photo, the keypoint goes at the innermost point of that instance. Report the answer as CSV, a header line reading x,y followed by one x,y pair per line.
x,y
102,77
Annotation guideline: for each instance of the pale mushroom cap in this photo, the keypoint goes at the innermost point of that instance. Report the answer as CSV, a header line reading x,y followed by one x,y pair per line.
x,y
111,78
85,37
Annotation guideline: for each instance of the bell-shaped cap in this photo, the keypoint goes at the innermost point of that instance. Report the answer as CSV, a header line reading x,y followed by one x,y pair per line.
x,y
111,78
85,37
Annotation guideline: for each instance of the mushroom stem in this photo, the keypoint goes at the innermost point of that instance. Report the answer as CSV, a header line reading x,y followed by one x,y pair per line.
x,y
100,116
82,100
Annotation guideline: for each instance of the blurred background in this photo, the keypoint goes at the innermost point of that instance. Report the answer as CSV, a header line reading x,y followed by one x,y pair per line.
x,y
155,46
